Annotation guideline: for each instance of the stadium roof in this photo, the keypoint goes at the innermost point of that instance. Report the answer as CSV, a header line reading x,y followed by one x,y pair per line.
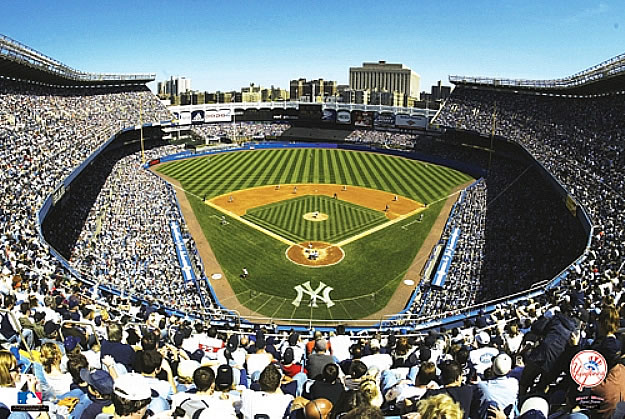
x,y
22,62
608,76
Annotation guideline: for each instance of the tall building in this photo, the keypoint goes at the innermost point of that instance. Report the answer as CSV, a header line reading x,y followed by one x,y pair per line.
x,y
174,86
440,92
312,90
251,93
273,94
385,77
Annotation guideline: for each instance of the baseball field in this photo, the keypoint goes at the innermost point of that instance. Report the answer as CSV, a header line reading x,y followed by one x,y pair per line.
x,y
324,233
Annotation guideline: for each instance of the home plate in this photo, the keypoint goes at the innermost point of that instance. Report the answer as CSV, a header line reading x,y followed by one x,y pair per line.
x,y
409,282
216,276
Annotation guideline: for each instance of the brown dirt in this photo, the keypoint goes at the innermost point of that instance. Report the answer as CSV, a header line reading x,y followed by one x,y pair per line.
x,y
328,254
240,201
403,292
222,287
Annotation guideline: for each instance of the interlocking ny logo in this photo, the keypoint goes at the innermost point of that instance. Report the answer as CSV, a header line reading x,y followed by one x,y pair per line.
x,y
314,294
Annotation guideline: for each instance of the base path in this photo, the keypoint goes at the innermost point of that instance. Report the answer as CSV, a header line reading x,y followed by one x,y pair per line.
x,y
239,202
222,287
403,292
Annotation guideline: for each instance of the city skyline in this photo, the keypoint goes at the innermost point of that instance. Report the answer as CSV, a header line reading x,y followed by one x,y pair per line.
x,y
225,46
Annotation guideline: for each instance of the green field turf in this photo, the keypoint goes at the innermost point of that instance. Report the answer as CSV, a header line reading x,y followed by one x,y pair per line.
x,y
373,266
223,173
286,219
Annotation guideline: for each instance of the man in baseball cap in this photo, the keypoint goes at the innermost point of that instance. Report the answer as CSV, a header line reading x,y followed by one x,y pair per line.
x,y
500,390
481,357
99,391
131,395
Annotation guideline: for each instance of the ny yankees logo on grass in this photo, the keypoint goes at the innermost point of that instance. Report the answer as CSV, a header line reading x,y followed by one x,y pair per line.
x,y
314,294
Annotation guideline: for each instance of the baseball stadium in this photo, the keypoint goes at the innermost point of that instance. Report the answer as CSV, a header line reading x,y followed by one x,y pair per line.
x,y
282,217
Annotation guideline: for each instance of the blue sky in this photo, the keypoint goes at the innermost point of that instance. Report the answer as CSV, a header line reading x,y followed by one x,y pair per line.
x,y
225,45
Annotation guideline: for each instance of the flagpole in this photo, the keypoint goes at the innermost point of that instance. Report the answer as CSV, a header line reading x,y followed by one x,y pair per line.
x,y
141,128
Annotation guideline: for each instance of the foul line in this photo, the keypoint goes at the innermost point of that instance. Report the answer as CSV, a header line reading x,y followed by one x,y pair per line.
x,y
379,227
251,224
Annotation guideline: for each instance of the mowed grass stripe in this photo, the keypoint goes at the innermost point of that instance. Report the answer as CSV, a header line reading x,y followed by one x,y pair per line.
x,y
278,166
345,168
216,177
298,173
420,178
393,185
219,178
200,172
355,173
415,178
405,177
431,179
328,167
285,170
306,166
252,174
379,176
265,171
338,168
232,171
397,180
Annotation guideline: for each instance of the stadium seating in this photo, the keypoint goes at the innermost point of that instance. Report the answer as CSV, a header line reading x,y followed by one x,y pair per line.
x,y
507,362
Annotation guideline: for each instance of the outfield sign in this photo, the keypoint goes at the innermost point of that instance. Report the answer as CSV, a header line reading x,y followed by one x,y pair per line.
x,y
321,293
197,117
410,121
185,118
343,117
384,119
329,115
223,115
445,263
362,118
181,252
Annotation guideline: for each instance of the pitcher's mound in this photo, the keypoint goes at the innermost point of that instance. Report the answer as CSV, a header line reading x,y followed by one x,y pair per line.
x,y
315,216
315,254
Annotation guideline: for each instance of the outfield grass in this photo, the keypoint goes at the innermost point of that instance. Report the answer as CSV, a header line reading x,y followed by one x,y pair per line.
x,y
345,219
373,266
227,172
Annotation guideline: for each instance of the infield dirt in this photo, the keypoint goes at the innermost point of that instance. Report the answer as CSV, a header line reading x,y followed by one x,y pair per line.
x,y
229,299
239,202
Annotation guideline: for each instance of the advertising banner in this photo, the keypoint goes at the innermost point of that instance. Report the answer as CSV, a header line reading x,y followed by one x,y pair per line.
x,y
181,251
407,121
362,118
384,120
223,115
329,115
343,117
197,117
448,254
185,118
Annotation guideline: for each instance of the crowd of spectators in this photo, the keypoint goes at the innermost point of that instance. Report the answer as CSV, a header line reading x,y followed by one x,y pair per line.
x,y
45,133
131,359
580,141
241,129
124,240
90,356
381,138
